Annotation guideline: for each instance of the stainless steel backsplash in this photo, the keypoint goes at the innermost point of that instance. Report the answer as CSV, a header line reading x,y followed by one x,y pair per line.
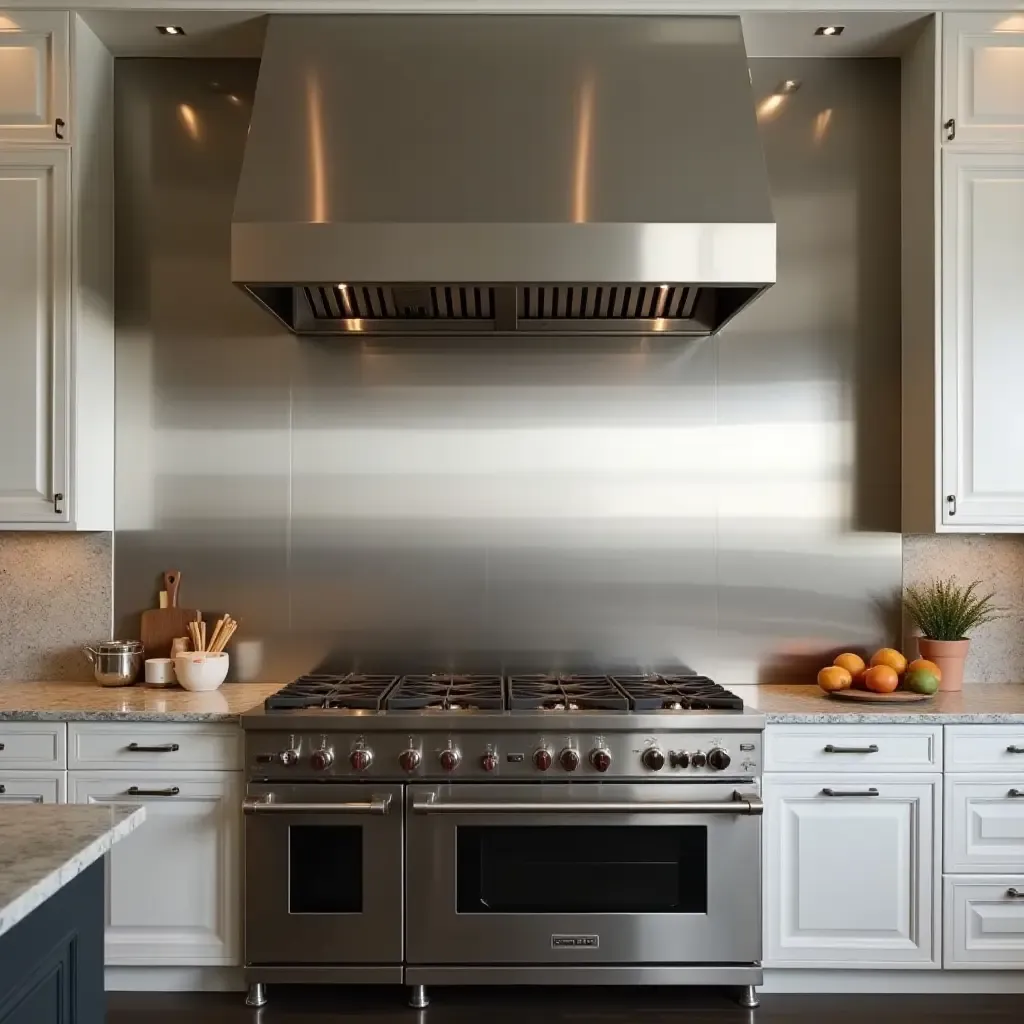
x,y
733,504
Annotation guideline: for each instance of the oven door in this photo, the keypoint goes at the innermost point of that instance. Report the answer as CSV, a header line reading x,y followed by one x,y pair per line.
x,y
583,874
323,874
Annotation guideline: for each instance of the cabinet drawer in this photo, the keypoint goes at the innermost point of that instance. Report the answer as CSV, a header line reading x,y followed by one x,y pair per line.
x,y
31,745
984,922
984,748
33,788
148,745
984,823
853,748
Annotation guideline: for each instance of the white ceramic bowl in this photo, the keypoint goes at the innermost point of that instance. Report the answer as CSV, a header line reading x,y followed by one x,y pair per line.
x,y
199,670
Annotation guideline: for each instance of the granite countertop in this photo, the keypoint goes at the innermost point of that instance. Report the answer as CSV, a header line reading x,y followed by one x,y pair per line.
x,y
977,704
44,846
90,702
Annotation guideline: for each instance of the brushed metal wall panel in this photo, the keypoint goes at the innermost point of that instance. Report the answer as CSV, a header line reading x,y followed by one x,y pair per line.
x,y
732,503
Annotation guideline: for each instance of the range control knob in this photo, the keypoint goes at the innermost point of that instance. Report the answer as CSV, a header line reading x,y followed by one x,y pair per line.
x,y
409,760
569,759
698,759
542,759
719,759
653,759
450,759
601,759
360,759
489,761
679,759
322,759
288,757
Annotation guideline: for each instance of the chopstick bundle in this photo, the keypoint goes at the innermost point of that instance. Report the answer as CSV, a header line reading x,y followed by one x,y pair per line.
x,y
224,634
218,640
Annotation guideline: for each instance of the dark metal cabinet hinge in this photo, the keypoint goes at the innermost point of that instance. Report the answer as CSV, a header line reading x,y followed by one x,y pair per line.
x,y
950,127
57,499
951,502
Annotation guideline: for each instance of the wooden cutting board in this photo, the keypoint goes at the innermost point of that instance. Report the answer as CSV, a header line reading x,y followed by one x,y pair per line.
x,y
161,625
867,697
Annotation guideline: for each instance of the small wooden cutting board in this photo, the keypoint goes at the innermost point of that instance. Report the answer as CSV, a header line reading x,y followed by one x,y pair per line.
x,y
867,697
161,625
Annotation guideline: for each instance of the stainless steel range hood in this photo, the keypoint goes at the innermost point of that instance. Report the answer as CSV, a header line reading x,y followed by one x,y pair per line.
x,y
421,174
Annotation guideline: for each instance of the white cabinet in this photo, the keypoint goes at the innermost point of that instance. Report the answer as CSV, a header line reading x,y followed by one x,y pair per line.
x,y
983,79
34,291
851,870
32,788
983,922
983,339
173,893
34,80
984,823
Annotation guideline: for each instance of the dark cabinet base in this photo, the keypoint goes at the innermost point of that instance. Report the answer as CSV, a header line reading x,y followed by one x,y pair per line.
x,y
51,964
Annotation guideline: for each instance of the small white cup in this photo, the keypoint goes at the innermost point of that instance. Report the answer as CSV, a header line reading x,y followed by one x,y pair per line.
x,y
160,672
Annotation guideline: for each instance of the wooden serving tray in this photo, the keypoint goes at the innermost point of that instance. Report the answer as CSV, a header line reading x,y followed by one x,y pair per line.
x,y
868,697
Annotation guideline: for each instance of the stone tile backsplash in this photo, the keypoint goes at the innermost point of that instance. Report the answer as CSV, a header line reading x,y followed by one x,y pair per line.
x,y
56,594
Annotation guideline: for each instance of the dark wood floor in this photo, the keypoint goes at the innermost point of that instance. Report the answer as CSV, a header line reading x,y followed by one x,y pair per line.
x,y
557,1006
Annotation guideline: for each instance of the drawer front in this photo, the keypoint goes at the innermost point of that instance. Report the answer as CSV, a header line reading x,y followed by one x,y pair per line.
x,y
144,745
25,746
984,823
984,748
984,922
33,787
853,748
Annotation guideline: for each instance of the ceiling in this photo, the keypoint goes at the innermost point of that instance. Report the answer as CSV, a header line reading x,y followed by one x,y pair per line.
x,y
240,33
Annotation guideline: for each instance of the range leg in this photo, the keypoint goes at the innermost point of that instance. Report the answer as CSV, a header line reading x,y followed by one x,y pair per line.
x,y
747,997
418,997
257,995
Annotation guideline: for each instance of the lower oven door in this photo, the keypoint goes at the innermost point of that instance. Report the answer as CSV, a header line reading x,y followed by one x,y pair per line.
x,y
323,874
583,874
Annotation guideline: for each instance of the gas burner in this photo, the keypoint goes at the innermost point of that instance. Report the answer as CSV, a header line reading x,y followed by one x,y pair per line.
x,y
337,692
564,693
676,693
447,693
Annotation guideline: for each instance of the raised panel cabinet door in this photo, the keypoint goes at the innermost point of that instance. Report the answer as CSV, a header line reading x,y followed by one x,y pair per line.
x,y
983,79
984,824
32,788
983,924
34,335
851,871
983,340
34,76
173,896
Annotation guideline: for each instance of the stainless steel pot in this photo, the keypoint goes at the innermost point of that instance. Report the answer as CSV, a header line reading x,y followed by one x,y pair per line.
x,y
116,662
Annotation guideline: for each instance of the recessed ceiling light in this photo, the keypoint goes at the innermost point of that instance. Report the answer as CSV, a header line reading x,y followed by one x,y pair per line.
x,y
170,30
829,30
787,85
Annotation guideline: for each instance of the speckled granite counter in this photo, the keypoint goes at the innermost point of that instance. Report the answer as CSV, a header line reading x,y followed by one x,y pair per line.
x,y
44,846
90,702
978,704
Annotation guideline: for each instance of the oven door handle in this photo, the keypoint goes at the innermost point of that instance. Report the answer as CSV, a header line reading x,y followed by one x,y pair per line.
x,y
739,804
377,804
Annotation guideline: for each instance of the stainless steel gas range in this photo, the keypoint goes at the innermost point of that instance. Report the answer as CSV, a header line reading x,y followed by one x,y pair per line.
x,y
445,829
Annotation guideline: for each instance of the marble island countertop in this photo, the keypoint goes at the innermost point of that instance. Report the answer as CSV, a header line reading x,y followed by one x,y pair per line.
x,y
44,846
90,702
977,704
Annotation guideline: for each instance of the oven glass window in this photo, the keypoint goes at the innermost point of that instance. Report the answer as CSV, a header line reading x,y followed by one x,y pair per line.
x,y
325,869
582,869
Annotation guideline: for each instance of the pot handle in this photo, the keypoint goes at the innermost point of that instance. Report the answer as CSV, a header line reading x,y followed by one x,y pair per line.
x,y
91,653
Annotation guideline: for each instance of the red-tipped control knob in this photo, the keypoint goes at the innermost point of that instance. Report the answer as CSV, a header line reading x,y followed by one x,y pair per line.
x,y
601,759
489,762
360,759
409,760
569,759
542,759
450,759
322,759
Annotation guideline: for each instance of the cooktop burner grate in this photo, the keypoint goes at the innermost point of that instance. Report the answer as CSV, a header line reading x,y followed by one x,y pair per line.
x,y
564,693
677,693
354,691
448,693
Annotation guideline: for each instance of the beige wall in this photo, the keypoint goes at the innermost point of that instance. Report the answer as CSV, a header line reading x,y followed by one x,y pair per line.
x,y
998,561
55,596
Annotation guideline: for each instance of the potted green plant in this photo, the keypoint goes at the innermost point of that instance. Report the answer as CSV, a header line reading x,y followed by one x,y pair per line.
x,y
945,612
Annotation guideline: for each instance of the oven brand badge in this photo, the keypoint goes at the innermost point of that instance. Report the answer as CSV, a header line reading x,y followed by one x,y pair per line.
x,y
575,941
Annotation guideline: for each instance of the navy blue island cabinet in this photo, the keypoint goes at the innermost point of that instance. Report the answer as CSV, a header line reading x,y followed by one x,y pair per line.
x,y
51,962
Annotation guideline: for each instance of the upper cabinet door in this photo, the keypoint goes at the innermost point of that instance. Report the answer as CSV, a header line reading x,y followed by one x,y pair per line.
x,y
34,335
983,78
983,340
34,64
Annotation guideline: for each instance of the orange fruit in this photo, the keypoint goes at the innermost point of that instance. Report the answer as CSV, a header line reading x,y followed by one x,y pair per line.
x,y
853,663
926,665
834,677
890,657
881,679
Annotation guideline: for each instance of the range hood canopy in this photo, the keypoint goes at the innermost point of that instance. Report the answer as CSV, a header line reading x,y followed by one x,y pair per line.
x,y
443,173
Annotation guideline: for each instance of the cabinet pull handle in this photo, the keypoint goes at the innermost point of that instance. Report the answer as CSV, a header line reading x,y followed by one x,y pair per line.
x,y
160,748
950,127
169,791
951,502
850,792
2,745
1014,793
1014,894
57,499
1010,749
58,128
3,788
832,749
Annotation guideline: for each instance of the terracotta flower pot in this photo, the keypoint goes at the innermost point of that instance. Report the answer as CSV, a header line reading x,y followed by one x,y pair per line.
x,y
950,656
